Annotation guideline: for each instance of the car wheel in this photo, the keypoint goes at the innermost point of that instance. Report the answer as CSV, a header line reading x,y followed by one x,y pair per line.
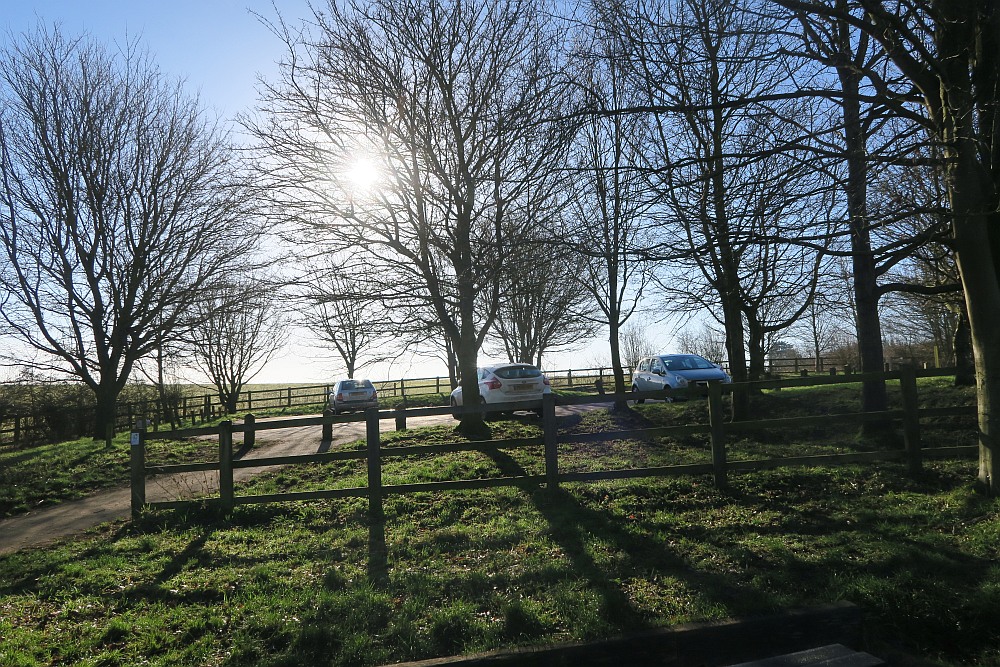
x,y
455,415
667,398
635,390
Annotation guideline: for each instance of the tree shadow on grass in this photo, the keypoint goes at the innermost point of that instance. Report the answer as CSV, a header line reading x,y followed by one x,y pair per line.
x,y
570,521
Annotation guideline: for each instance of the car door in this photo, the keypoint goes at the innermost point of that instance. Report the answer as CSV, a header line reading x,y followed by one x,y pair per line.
x,y
641,380
657,375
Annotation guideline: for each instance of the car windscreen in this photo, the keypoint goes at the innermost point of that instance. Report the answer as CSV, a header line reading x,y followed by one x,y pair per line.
x,y
687,363
517,372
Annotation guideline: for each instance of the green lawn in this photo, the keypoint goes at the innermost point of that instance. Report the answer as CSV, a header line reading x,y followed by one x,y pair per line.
x,y
317,583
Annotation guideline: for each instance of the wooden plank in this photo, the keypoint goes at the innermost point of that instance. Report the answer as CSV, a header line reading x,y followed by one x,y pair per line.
x,y
634,473
643,434
172,468
466,484
831,655
718,433
815,461
294,459
550,430
688,645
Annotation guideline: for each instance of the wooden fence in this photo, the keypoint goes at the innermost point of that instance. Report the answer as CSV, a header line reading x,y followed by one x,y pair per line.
x,y
718,429
22,429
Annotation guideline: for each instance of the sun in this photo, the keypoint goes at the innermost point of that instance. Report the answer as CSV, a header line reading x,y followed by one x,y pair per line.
x,y
363,174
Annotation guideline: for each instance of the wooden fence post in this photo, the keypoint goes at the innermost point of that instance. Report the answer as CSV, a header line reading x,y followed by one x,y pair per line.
x,y
249,432
401,417
717,425
17,429
911,418
226,465
327,435
137,467
375,512
550,437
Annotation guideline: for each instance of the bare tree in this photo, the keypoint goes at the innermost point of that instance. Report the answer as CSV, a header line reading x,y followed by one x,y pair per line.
x,y
338,308
706,341
236,337
611,202
447,98
635,344
949,51
120,206
729,167
544,307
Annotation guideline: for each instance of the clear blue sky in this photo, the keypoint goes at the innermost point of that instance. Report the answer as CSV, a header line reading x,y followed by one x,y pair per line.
x,y
217,46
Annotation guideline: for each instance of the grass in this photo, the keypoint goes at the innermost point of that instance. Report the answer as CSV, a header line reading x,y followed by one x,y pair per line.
x,y
318,583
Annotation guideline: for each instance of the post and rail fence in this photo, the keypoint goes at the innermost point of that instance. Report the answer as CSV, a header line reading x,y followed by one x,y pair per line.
x,y
718,429
24,429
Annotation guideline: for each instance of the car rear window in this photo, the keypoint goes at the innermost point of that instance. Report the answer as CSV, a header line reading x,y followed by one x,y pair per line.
x,y
517,372
355,384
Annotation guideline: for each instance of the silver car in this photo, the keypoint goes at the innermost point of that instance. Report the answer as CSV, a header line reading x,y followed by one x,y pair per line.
x,y
352,394
674,375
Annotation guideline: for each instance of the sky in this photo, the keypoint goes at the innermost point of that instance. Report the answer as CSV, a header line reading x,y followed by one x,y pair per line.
x,y
217,46
220,48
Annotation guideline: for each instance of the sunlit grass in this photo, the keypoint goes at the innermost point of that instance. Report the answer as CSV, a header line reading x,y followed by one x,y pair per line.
x,y
306,583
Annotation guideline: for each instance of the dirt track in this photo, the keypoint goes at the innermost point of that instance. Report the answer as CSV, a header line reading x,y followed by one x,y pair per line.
x,y
48,525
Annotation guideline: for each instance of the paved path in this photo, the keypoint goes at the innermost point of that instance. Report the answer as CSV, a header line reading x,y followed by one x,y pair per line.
x,y
50,524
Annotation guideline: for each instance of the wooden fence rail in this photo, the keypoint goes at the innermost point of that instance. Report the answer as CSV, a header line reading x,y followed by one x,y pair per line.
x,y
718,429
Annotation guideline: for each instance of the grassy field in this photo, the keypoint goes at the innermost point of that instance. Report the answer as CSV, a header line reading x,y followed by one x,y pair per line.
x,y
317,583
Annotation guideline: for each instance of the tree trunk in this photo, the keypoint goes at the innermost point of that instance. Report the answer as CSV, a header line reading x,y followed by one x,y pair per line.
x,y
105,410
965,360
616,361
230,400
869,328
735,350
467,355
755,343
976,249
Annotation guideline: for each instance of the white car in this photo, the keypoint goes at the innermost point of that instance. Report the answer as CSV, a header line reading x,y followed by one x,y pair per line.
x,y
508,383
668,373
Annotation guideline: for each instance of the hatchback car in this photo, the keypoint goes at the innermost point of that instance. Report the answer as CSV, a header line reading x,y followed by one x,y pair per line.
x,y
352,394
507,383
675,375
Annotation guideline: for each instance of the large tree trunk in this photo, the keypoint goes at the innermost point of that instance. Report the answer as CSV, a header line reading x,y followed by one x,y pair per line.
x,y
970,54
106,396
755,343
736,351
467,355
975,234
869,328
616,359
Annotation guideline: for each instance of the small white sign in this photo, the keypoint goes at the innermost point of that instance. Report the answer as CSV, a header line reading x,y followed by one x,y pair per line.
x,y
135,439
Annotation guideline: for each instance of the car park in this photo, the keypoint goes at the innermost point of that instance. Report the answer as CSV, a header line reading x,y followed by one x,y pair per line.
x,y
508,384
674,376
350,394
